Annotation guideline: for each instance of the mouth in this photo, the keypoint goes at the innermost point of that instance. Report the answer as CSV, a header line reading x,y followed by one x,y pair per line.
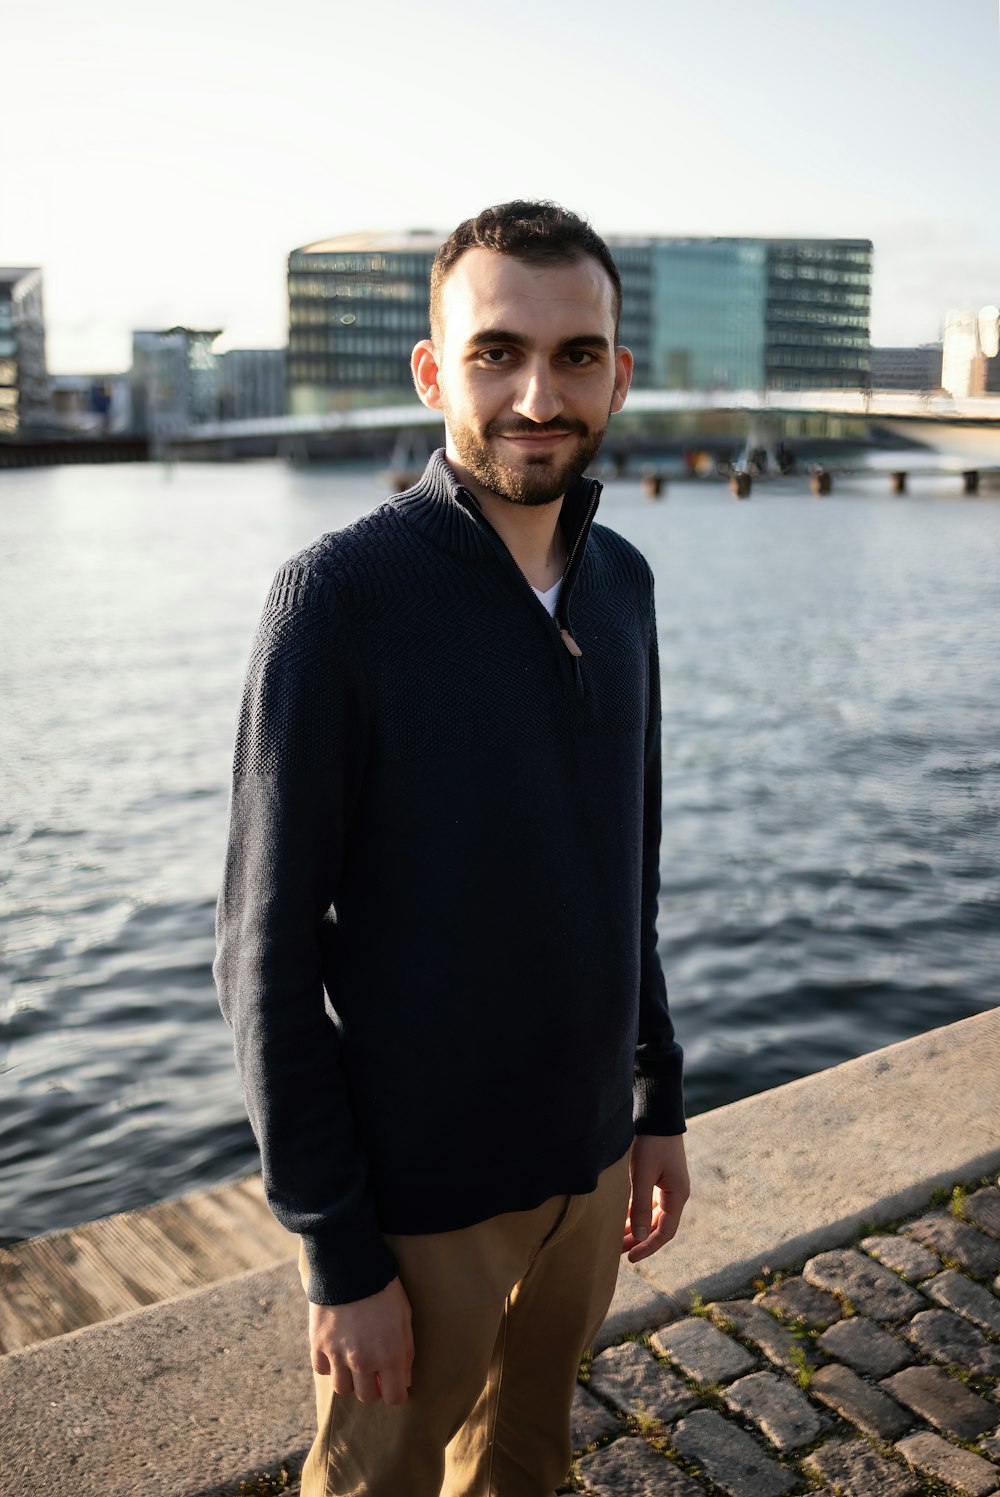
x,y
536,439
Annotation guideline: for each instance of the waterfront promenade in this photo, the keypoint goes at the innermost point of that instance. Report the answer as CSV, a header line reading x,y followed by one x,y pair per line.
x,y
828,1319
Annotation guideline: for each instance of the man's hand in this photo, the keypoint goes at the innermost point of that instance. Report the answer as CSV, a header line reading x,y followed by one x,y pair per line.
x,y
656,1165
366,1346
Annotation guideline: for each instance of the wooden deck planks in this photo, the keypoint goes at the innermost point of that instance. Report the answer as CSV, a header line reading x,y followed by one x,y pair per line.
x,y
67,1280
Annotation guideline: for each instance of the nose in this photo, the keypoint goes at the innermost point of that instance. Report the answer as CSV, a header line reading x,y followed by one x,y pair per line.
x,y
539,398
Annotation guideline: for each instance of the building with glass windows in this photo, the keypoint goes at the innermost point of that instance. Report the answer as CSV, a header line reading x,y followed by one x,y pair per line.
x,y
907,368
356,306
697,313
175,380
252,383
24,381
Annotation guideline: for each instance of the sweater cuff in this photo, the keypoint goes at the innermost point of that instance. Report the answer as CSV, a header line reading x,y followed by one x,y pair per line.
x,y
347,1265
658,1104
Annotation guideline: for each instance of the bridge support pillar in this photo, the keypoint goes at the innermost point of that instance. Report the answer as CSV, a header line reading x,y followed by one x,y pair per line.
x,y
970,482
898,481
821,482
741,484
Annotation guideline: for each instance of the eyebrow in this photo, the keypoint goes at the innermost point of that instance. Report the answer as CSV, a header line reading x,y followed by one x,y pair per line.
x,y
505,335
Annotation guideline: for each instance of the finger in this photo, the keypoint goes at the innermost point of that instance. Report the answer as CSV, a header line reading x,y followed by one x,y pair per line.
x,y
343,1381
366,1387
640,1212
320,1362
664,1229
393,1383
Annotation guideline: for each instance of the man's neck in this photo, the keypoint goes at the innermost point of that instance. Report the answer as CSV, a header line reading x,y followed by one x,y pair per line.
x,y
531,532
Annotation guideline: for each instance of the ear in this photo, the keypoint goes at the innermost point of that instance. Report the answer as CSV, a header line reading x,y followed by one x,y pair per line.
x,y
624,363
424,367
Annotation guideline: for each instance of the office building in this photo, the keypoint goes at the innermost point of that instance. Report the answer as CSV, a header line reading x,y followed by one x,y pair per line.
x,y
24,382
356,306
92,405
907,368
698,314
252,383
175,379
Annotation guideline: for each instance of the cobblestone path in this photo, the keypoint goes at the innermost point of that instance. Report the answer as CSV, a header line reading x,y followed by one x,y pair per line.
x,y
874,1371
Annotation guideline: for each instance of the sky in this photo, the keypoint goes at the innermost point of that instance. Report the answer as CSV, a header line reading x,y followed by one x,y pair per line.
x,y
159,161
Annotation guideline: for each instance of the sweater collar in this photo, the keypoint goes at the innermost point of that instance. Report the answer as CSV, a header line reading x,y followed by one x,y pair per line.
x,y
449,515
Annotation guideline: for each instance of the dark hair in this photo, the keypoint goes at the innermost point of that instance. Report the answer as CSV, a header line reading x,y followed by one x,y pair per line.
x,y
541,233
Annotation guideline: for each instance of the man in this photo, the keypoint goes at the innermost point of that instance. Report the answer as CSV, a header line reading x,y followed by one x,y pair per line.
x,y
446,812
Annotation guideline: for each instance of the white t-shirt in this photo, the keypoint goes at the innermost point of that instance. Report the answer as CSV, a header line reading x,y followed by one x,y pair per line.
x,y
550,598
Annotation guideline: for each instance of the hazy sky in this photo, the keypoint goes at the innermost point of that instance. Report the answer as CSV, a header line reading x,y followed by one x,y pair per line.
x,y
160,160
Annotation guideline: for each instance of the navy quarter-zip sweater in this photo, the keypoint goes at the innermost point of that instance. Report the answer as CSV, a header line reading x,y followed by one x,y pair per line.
x,y
437,928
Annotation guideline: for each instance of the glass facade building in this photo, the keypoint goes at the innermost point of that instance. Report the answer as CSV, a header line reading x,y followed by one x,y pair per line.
x,y
817,322
24,383
707,328
356,306
175,380
697,313
252,383
907,368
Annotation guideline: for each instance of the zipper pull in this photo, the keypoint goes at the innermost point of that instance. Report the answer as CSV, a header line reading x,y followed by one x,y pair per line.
x,y
570,644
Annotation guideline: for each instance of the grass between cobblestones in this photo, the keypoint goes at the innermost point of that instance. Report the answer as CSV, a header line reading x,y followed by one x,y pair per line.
x,y
651,1431
658,1436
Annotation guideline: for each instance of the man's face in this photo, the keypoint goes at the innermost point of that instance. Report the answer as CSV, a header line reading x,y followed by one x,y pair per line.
x,y
527,373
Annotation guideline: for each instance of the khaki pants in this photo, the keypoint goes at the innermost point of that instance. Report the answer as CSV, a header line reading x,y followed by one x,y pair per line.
x,y
502,1313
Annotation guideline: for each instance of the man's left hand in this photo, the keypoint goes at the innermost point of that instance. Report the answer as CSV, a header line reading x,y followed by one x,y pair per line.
x,y
660,1187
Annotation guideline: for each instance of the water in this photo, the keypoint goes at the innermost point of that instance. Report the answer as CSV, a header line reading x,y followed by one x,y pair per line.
x,y
831,674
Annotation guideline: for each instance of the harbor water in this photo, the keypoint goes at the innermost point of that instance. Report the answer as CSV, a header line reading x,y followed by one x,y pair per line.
x,y
831,675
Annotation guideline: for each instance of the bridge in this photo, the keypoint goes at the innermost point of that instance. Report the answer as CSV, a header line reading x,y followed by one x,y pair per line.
x,y
965,430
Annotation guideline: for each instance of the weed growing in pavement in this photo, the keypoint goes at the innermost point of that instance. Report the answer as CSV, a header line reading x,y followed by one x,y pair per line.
x,y
280,1483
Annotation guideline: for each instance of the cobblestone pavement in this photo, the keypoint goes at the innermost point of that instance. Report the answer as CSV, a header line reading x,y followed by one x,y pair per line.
x,y
874,1371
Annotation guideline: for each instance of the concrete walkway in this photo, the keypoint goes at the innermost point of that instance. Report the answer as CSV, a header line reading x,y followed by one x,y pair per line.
x,y
185,1398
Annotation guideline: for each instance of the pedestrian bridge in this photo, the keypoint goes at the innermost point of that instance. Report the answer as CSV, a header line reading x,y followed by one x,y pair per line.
x,y
967,429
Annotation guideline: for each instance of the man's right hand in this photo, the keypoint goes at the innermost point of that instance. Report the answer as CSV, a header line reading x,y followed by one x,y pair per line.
x,y
366,1346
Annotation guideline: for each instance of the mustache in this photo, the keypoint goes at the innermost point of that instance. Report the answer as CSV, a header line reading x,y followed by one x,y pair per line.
x,y
526,428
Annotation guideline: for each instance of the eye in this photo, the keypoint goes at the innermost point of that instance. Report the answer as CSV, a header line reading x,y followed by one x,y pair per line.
x,y
580,358
494,356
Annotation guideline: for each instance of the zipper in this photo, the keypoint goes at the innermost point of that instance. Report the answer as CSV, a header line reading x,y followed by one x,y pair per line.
x,y
572,648
564,631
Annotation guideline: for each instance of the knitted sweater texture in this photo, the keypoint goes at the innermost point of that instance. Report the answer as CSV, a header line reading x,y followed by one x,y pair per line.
x,y
437,928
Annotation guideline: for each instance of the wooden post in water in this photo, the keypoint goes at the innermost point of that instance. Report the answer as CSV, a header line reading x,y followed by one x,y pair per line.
x,y
740,484
821,482
970,482
898,481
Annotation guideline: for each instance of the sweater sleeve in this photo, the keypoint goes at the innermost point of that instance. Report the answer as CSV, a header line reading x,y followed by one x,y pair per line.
x,y
298,764
658,1089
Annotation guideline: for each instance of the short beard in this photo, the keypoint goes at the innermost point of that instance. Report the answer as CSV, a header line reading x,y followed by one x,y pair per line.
x,y
544,479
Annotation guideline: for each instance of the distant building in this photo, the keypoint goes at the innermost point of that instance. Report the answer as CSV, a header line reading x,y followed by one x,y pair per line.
x,y
24,383
252,383
91,404
175,379
730,314
356,306
697,314
907,368
970,361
